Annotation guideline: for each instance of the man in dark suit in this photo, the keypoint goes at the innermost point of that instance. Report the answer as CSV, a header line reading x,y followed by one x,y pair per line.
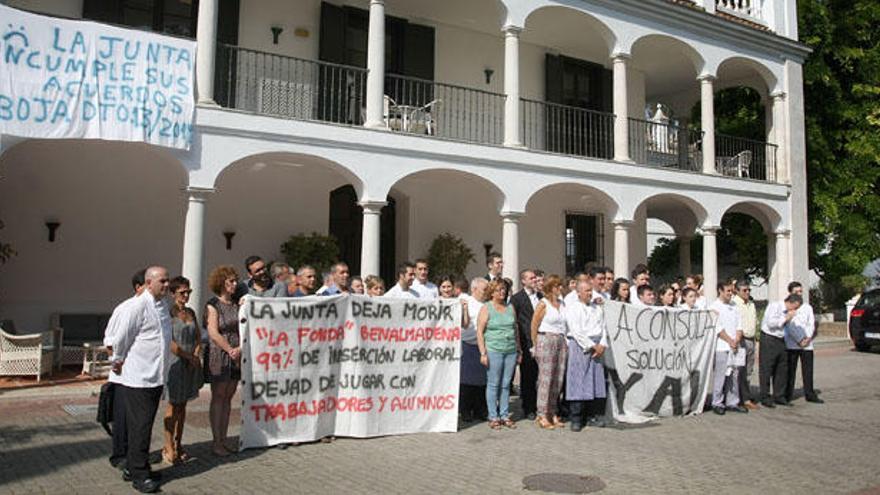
x,y
524,303
494,264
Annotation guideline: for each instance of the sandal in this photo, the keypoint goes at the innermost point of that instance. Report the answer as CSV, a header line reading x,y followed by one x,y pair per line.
x,y
542,423
169,458
509,423
558,422
495,424
183,455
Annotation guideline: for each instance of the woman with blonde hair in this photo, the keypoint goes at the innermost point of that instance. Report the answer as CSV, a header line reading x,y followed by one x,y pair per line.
x,y
550,351
375,286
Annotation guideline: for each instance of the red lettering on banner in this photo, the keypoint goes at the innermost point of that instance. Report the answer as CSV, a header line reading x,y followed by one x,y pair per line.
x,y
423,403
412,334
320,334
292,410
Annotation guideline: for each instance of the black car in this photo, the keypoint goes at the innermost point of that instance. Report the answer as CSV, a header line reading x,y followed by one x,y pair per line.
x,y
864,322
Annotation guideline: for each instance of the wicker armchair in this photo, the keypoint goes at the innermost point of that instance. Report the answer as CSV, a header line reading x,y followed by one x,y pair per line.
x,y
24,355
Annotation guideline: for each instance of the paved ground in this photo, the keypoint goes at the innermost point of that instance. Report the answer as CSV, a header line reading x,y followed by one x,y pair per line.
x,y
830,448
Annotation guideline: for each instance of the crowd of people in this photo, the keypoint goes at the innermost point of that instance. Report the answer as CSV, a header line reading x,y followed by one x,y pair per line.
x,y
552,329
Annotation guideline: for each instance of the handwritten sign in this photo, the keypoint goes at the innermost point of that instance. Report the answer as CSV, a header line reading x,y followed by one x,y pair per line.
x,y
79,79
349,366
658,360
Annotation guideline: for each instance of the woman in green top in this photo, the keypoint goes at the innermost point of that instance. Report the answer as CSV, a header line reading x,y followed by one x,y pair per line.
x,y
499,346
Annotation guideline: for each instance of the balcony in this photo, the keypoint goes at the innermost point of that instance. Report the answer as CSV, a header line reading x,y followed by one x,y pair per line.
x,y
299,89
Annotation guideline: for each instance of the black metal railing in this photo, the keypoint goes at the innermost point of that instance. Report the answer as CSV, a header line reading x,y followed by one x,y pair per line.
x,y
289,87
664,145
746,158
567,130
448,111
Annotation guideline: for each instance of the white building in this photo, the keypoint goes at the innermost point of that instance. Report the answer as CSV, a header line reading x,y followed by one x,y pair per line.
x,y
536,143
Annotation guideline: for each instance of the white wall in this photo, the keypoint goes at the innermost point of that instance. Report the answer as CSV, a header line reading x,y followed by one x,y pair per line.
x,y
120,207
64,8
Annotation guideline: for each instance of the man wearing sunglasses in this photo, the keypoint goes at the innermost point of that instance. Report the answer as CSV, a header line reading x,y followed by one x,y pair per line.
x,y
749,317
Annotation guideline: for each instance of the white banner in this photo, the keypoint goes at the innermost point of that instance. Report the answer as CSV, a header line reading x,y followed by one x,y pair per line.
x,y
659,360
347,365
78,79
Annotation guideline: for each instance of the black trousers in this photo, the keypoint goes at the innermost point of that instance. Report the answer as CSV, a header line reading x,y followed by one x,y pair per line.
x,y
141,405
773,366
472,401
806,358
120,430
528,384
582,410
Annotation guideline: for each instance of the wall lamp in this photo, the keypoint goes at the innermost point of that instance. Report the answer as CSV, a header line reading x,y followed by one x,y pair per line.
x,y
488,71
229,235
487,247
52,225
276,32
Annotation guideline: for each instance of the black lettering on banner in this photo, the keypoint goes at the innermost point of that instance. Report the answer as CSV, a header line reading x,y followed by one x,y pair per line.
x,y
422,312
370,309
670,387
621,388
623,326
272,389
265,309
309,357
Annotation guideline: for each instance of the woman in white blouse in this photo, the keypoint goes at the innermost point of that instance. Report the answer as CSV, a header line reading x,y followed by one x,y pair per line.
x,y
550,351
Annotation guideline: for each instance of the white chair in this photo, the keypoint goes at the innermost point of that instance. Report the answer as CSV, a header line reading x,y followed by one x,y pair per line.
x,y
737,165
422,119
24,355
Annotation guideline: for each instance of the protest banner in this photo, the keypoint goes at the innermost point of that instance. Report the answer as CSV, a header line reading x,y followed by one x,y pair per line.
x,y
347,365
658,360
80,79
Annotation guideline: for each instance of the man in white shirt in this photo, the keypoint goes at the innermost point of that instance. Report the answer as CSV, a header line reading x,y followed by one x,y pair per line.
x,y
749,317
597,281
424,287
725,390
644,296
141,359
472,388
406,272
609,281
799,347
640,277
585,375
495,265
120,432
771,354
572,296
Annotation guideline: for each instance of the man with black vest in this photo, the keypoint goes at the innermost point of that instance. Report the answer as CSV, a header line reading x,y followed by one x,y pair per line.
x,y
524,303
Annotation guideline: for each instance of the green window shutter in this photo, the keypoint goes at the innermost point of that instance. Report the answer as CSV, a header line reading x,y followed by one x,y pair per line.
x,y
332,35
553,78
418,52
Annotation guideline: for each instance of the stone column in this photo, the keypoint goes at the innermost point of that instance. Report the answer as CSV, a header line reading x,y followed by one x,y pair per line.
x,y
370,237
783,263
684,254
710,263
621,108
621,247
510,246
781,172
193,266
512,136
707,122
376,66
206,50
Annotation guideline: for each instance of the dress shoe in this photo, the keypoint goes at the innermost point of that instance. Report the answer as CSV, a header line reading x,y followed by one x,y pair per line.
x,y
815,400
531,416
126,474
576,427
146,486
738,409
784,402
597,422
718,410
768,404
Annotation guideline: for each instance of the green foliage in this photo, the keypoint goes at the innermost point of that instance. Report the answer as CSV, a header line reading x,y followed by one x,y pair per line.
x,y
6,251
739,111
449,255
742,248
318,250
842,108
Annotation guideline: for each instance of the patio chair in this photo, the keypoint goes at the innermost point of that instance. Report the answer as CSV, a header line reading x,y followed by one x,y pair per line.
x,y
24,355
737,165
423,121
